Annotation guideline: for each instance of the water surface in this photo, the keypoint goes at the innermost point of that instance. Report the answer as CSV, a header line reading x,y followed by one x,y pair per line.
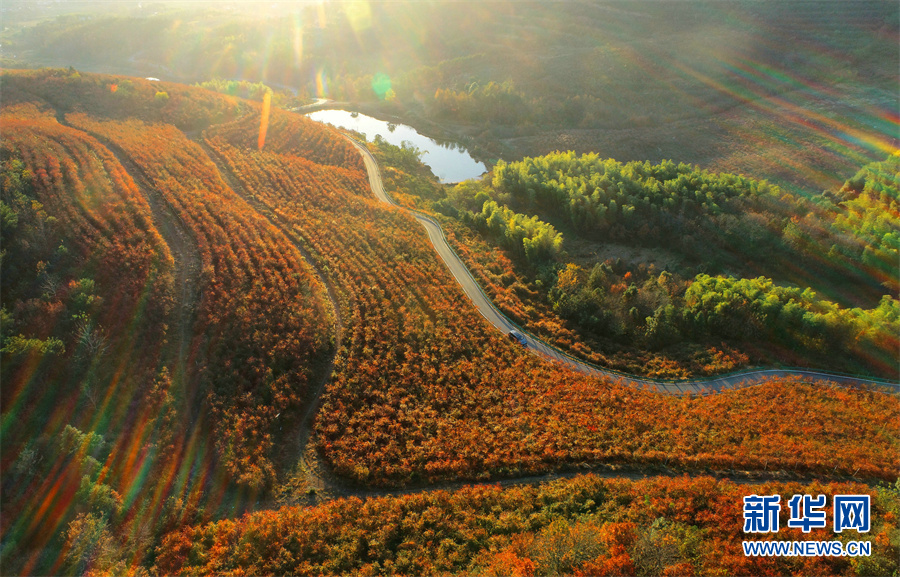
x,y
450,163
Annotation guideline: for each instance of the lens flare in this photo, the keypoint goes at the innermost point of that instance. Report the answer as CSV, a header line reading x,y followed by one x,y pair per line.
x,y
264,119
381,84
321,84
359,15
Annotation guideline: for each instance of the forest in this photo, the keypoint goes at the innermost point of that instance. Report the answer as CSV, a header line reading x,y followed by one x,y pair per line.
x,y
212,331
723,286
400,397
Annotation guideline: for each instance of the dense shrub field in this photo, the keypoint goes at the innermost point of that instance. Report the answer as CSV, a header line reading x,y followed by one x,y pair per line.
x,y
581,526
425,390
87,297
660,316
260,322
134,407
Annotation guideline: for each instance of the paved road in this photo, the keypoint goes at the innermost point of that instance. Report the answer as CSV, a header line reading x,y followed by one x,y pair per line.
x,y
496,318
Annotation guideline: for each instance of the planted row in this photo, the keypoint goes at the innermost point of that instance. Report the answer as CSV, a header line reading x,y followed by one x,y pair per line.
x,y
424,389
262,321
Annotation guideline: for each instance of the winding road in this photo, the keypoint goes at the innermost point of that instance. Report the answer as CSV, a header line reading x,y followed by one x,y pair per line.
x,y
486,307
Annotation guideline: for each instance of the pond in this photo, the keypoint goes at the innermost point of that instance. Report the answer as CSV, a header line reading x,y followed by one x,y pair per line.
x,y
449,162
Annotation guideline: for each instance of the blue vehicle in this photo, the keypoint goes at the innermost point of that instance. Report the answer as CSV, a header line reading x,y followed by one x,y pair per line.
x,y
518,337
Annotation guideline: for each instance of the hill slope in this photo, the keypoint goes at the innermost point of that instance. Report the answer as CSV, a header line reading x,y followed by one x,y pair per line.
x,y
139,407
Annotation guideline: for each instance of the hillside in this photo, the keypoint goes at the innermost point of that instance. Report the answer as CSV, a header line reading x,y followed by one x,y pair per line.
x,y
106,333
197,286
672,271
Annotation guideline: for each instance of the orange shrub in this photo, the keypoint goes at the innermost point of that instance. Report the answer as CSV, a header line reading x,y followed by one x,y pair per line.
x,y
260,324
424,389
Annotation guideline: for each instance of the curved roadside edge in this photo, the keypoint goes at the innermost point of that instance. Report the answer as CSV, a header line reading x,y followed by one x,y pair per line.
x,y
470,286
541,348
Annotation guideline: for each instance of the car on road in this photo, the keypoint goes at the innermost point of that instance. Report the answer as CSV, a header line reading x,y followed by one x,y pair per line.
x,y
518,337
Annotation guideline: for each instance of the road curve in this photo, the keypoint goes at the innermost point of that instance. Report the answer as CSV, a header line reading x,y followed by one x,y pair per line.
x,y
486,307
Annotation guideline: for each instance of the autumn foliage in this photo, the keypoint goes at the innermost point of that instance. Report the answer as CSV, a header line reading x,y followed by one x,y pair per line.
x,y
424,389
87,298
259,327
581,526
66,91
659,317
145,405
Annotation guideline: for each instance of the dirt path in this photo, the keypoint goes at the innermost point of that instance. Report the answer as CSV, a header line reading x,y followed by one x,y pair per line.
x,y
340,489
316,473
181,242
188,264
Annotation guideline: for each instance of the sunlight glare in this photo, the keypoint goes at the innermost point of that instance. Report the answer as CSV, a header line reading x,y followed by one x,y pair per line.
x,y
264,119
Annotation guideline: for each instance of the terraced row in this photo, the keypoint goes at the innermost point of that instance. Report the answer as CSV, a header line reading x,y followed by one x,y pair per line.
x,y
426,390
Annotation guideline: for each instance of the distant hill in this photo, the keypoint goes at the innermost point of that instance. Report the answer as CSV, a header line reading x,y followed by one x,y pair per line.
x,y
744,87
